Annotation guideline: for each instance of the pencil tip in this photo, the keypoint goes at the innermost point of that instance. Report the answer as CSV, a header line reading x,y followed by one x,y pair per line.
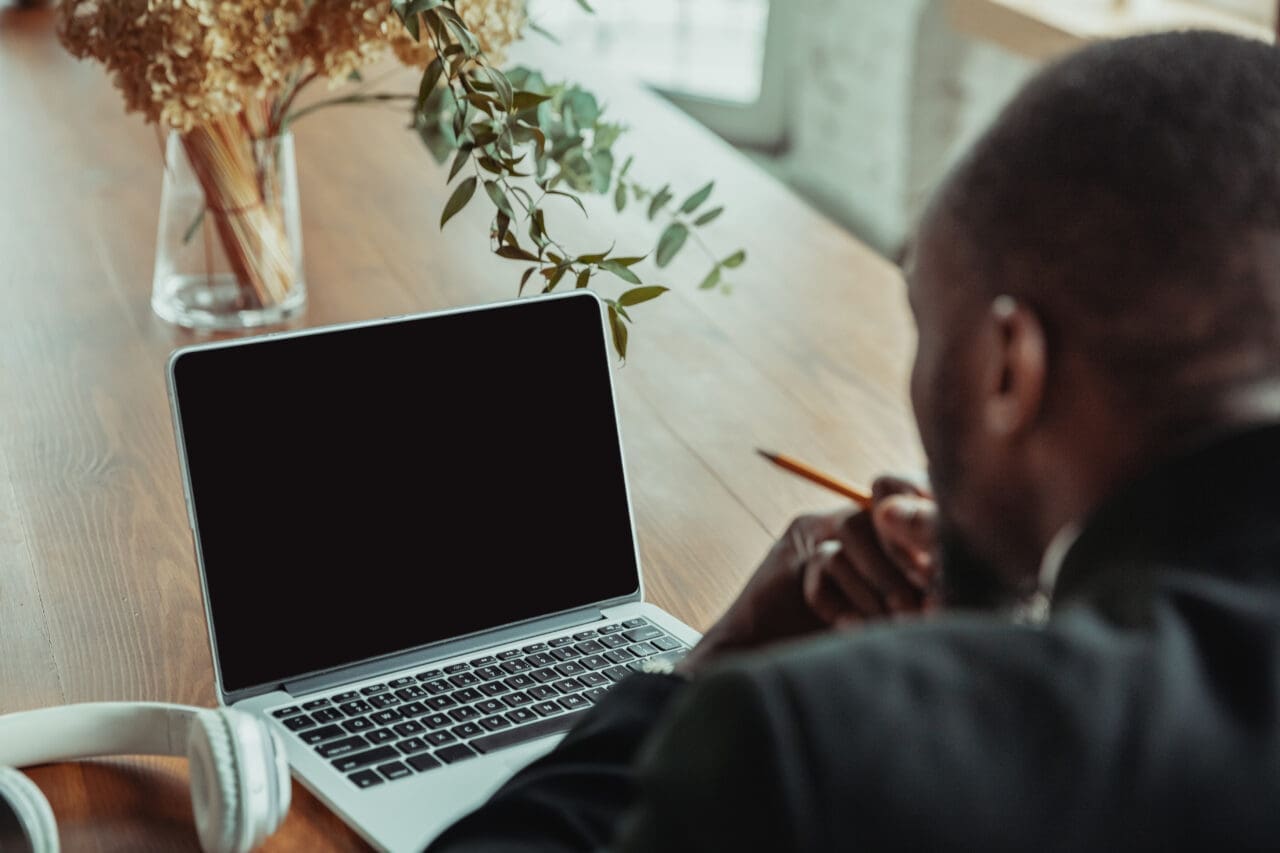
x,y
767,454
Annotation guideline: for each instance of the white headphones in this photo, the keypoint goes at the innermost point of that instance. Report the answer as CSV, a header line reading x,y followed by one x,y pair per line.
x,y
240,786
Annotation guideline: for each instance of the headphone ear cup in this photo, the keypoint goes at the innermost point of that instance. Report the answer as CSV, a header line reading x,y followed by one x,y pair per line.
x,y
29,806
240,784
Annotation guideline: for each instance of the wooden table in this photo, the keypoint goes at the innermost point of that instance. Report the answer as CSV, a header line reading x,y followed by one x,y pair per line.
x,y
1043,29
99,598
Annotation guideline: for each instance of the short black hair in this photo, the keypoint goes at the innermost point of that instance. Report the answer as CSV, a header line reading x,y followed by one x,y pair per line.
x,y
1131,194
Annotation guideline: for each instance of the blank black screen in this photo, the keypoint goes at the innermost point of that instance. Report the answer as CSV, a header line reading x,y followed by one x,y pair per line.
x,y
365,491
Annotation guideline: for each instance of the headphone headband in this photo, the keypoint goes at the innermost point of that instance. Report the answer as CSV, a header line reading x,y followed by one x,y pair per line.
x,y
90,729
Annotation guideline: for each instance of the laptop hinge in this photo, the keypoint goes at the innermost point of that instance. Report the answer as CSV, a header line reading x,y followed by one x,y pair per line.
x,y
440,651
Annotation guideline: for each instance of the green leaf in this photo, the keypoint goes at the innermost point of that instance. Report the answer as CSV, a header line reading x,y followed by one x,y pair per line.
x,y
631,261
620,196
692,202
659,201
405,8
620,271
411,24
459,160
712,279
670,243
554,279
458,200
619,333
501,85
594,258
515,253
501,223
499,198
572,198
708,216
636,295
521,101
584,278
586,6
734,260
626,167
524,279
194,226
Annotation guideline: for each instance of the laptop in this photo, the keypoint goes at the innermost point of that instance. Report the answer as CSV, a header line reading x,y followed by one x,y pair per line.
x,y
416,547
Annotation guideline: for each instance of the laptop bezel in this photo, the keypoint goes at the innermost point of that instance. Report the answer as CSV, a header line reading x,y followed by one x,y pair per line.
x,y
409,657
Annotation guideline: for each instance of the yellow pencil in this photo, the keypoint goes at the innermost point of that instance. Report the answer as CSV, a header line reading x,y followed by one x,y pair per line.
x,y
859,496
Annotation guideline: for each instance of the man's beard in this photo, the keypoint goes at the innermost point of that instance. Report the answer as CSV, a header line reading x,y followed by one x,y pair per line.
x,y
967,581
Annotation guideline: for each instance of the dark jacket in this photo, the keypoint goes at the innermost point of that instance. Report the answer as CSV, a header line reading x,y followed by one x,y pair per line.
x,y
1142,716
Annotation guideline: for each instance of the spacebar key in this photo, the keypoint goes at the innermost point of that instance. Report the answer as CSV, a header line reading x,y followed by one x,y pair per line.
x,y
520,734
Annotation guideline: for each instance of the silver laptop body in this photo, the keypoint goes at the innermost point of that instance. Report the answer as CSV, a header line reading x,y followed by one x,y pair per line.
x,y
290,444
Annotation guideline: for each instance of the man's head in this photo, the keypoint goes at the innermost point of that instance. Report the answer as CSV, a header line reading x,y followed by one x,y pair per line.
x,y
1097,283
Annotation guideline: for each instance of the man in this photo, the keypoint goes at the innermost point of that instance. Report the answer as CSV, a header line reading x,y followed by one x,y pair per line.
x,y
1097,385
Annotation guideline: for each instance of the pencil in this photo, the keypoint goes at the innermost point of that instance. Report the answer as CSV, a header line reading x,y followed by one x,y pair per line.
x,y
859,496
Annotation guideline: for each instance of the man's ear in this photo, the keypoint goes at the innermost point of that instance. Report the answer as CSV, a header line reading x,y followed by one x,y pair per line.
x,y
1017,368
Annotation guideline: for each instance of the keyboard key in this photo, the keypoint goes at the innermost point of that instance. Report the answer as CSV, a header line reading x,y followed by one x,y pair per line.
x,y
438,738
517,665
484,661
521,715
613,641
402,682
365,779
648,632
518,682
564,653
360,759
489,673
495,722
516,699
508,654
358,724
489,706
409,727
458,752
593,679
595,662
380,736
493,688
456,667
411,692
394,770
616,673
382,700
534,647
466,712
590,647
618,656
439,703
345,697
323,733
412,745
412,709
522,734
542,691
540,660
585,635
467,730
374,688
464,679
634,623
643,649
568,685
315,703
542,676
437,686
610,629
570,668
573,703
436,721
286,712
384,718
428,675
302,721
334,748
546,709
356,708
666,644
560,641
467,694
594,694
423,762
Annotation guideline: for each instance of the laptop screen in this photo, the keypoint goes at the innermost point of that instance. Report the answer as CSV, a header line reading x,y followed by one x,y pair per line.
x,y
365,491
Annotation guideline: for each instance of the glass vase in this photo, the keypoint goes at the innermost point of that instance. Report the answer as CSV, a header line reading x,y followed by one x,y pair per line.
x,y
229,242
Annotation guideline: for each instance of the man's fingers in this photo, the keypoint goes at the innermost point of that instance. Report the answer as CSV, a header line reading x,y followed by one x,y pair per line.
x,y
834,589
900,484
907,528
865,556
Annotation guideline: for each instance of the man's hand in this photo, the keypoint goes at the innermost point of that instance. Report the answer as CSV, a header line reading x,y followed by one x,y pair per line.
x,y
835,569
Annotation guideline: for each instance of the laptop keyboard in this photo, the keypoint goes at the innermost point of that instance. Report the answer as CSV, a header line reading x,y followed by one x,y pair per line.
x,y
413,724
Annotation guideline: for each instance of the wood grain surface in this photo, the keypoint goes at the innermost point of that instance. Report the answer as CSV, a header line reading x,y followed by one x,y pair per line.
x,y
99,597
